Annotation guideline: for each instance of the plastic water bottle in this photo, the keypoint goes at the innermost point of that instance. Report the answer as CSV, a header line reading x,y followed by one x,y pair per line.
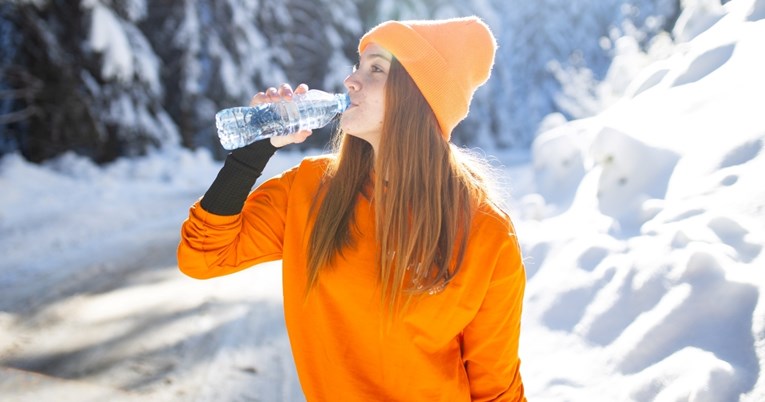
x,y
241,126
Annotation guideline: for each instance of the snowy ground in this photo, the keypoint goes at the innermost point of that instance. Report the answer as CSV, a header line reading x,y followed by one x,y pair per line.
x,y
91,290
643,230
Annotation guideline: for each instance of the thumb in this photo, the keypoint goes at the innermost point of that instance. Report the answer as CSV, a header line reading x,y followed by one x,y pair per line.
x,y
279,141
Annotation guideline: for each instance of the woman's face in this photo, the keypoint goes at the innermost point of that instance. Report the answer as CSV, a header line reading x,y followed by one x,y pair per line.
x,y
366,86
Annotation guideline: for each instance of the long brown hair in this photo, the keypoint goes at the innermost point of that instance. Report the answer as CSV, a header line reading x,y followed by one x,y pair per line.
x,y
425,192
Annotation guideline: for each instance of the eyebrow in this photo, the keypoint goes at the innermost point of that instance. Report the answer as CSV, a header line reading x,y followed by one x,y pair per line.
x,y
378,56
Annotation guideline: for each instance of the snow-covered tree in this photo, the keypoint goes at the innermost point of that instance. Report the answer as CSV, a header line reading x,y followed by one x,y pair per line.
x,y
90,79
541,40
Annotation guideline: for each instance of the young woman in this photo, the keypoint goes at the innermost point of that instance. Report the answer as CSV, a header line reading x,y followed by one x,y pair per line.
x,y
403,280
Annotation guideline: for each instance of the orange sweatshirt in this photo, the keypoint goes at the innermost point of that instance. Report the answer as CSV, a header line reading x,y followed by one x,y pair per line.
x,y
458,345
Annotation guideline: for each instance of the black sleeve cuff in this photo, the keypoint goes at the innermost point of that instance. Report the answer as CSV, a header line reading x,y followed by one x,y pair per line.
x,y
243,166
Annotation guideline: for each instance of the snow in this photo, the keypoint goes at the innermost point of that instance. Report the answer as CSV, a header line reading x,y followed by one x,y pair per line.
x,y
127,54
649,267
107,36
642,228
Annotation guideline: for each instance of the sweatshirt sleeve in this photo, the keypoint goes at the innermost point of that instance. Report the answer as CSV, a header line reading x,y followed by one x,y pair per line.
x,y
216,244
241,169
490,341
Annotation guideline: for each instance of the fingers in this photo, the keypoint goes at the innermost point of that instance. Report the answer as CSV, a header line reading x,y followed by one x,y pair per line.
x,y
283,93
259,98
269,96
272,94
301,89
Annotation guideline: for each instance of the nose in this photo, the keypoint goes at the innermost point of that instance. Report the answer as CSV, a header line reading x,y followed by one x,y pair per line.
x,y
351,83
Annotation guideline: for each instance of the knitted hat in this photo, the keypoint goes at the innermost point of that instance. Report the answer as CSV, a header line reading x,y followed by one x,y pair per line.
x,y
447,59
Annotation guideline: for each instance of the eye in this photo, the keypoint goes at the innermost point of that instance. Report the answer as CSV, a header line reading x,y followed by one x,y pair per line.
x,y
377,69
355,67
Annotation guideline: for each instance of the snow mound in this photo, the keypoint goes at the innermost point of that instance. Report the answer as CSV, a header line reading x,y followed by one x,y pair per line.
x,y
649,259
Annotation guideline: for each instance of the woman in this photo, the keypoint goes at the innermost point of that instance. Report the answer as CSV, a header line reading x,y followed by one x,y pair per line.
x,y
403,280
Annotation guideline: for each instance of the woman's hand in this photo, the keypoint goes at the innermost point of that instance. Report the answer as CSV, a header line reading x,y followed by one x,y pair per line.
x,y
284,93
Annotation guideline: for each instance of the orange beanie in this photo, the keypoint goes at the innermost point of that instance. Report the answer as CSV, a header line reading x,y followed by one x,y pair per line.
x,y
447,59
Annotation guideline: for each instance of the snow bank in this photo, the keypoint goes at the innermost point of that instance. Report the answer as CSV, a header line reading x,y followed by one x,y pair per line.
x,y
649,262
97,203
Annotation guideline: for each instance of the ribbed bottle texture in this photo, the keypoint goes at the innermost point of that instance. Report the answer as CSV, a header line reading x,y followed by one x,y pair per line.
x,y
241,126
